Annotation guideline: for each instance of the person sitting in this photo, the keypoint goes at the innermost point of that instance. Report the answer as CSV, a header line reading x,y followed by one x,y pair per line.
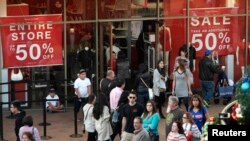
x,y
53,104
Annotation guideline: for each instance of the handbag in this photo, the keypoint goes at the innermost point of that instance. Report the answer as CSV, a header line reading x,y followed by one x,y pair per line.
x,y
153,137
16,76
85,117
150,90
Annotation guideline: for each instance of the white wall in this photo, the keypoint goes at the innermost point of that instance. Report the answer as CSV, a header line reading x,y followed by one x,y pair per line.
x,y
3,72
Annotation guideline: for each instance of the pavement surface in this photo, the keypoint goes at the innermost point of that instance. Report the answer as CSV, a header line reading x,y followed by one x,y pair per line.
x,y
62,124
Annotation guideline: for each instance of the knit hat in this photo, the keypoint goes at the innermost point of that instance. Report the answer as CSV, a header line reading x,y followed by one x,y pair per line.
x,y
208,52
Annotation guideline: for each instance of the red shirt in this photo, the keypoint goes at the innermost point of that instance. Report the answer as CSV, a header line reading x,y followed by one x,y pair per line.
x,y
165,39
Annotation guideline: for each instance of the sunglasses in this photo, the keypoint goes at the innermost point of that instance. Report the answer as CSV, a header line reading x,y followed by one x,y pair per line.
x,y
131,97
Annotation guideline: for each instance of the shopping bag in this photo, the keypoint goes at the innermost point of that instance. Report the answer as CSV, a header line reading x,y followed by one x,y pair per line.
x,y
226,91
150,93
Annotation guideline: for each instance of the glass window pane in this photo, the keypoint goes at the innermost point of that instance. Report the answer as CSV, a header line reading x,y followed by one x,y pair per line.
x,y
172,7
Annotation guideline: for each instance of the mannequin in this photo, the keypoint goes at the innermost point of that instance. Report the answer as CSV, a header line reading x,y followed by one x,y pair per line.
x,y
165,43
86,57
191,55
115,49
240,55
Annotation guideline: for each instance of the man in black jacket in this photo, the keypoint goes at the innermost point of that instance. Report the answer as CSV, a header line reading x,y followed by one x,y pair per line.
x,y
108,83
207,69
15,108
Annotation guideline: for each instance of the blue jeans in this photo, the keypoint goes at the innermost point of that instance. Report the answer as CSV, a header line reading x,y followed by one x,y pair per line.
x,y
143,98
207,89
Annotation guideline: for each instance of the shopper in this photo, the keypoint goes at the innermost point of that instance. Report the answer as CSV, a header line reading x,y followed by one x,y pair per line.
x,y
130,111
53,104
177,132
151,119
191,130
19,114
108,83
141,134
143,81
159,86
207,69
101,113
198,110
89,122
82,87
181,84
27,136
174,113
28,127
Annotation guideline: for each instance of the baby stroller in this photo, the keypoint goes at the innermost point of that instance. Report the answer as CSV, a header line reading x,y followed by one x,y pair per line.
x,y
224,88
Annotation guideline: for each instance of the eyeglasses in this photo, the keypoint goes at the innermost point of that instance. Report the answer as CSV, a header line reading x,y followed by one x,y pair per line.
x,y
184,117
131,97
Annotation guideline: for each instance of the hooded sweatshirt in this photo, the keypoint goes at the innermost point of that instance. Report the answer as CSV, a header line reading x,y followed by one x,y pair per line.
x,y
18,124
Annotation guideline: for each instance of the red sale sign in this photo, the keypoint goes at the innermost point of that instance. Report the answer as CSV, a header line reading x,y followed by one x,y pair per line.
x,y
217,33
31,40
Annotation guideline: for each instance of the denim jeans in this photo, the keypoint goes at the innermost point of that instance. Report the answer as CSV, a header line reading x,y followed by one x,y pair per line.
x,y
143,98
207,89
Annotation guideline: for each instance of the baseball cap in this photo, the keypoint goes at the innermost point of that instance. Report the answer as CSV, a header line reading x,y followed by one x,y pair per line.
x,y
82,70
208,52
51,90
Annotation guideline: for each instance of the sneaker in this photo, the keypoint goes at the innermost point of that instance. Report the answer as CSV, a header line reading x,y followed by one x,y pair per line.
x,y
206,103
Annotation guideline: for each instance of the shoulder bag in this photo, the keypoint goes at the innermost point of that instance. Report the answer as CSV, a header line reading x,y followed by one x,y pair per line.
x,y
150,90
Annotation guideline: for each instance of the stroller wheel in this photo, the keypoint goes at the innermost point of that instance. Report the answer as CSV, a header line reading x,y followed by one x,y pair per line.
x,y
225,102
216,100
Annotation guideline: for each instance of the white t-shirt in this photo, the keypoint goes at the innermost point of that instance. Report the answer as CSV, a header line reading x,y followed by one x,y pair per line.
x,y
82,86
89,120
56,98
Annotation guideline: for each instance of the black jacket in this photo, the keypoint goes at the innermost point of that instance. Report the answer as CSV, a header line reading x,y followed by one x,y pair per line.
x,y
207,69
18,124
144,75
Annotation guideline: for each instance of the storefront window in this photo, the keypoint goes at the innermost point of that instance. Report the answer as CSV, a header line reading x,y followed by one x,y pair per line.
x,y
173,8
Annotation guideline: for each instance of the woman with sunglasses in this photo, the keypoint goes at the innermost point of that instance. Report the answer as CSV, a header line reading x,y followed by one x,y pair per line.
x,y
190,128
151,120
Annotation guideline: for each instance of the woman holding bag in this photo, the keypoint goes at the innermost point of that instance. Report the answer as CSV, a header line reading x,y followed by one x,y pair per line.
x,y
159,86
191,130
143,81
151,120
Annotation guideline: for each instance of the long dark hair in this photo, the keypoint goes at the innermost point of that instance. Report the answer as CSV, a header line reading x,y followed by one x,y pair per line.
x,y
154,110
101,101
160,70
179,126
200,105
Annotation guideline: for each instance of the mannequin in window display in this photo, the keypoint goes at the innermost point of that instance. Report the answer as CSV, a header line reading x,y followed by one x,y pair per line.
x,y
114,49
240,55
165,42
112,64
86,57
191,55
